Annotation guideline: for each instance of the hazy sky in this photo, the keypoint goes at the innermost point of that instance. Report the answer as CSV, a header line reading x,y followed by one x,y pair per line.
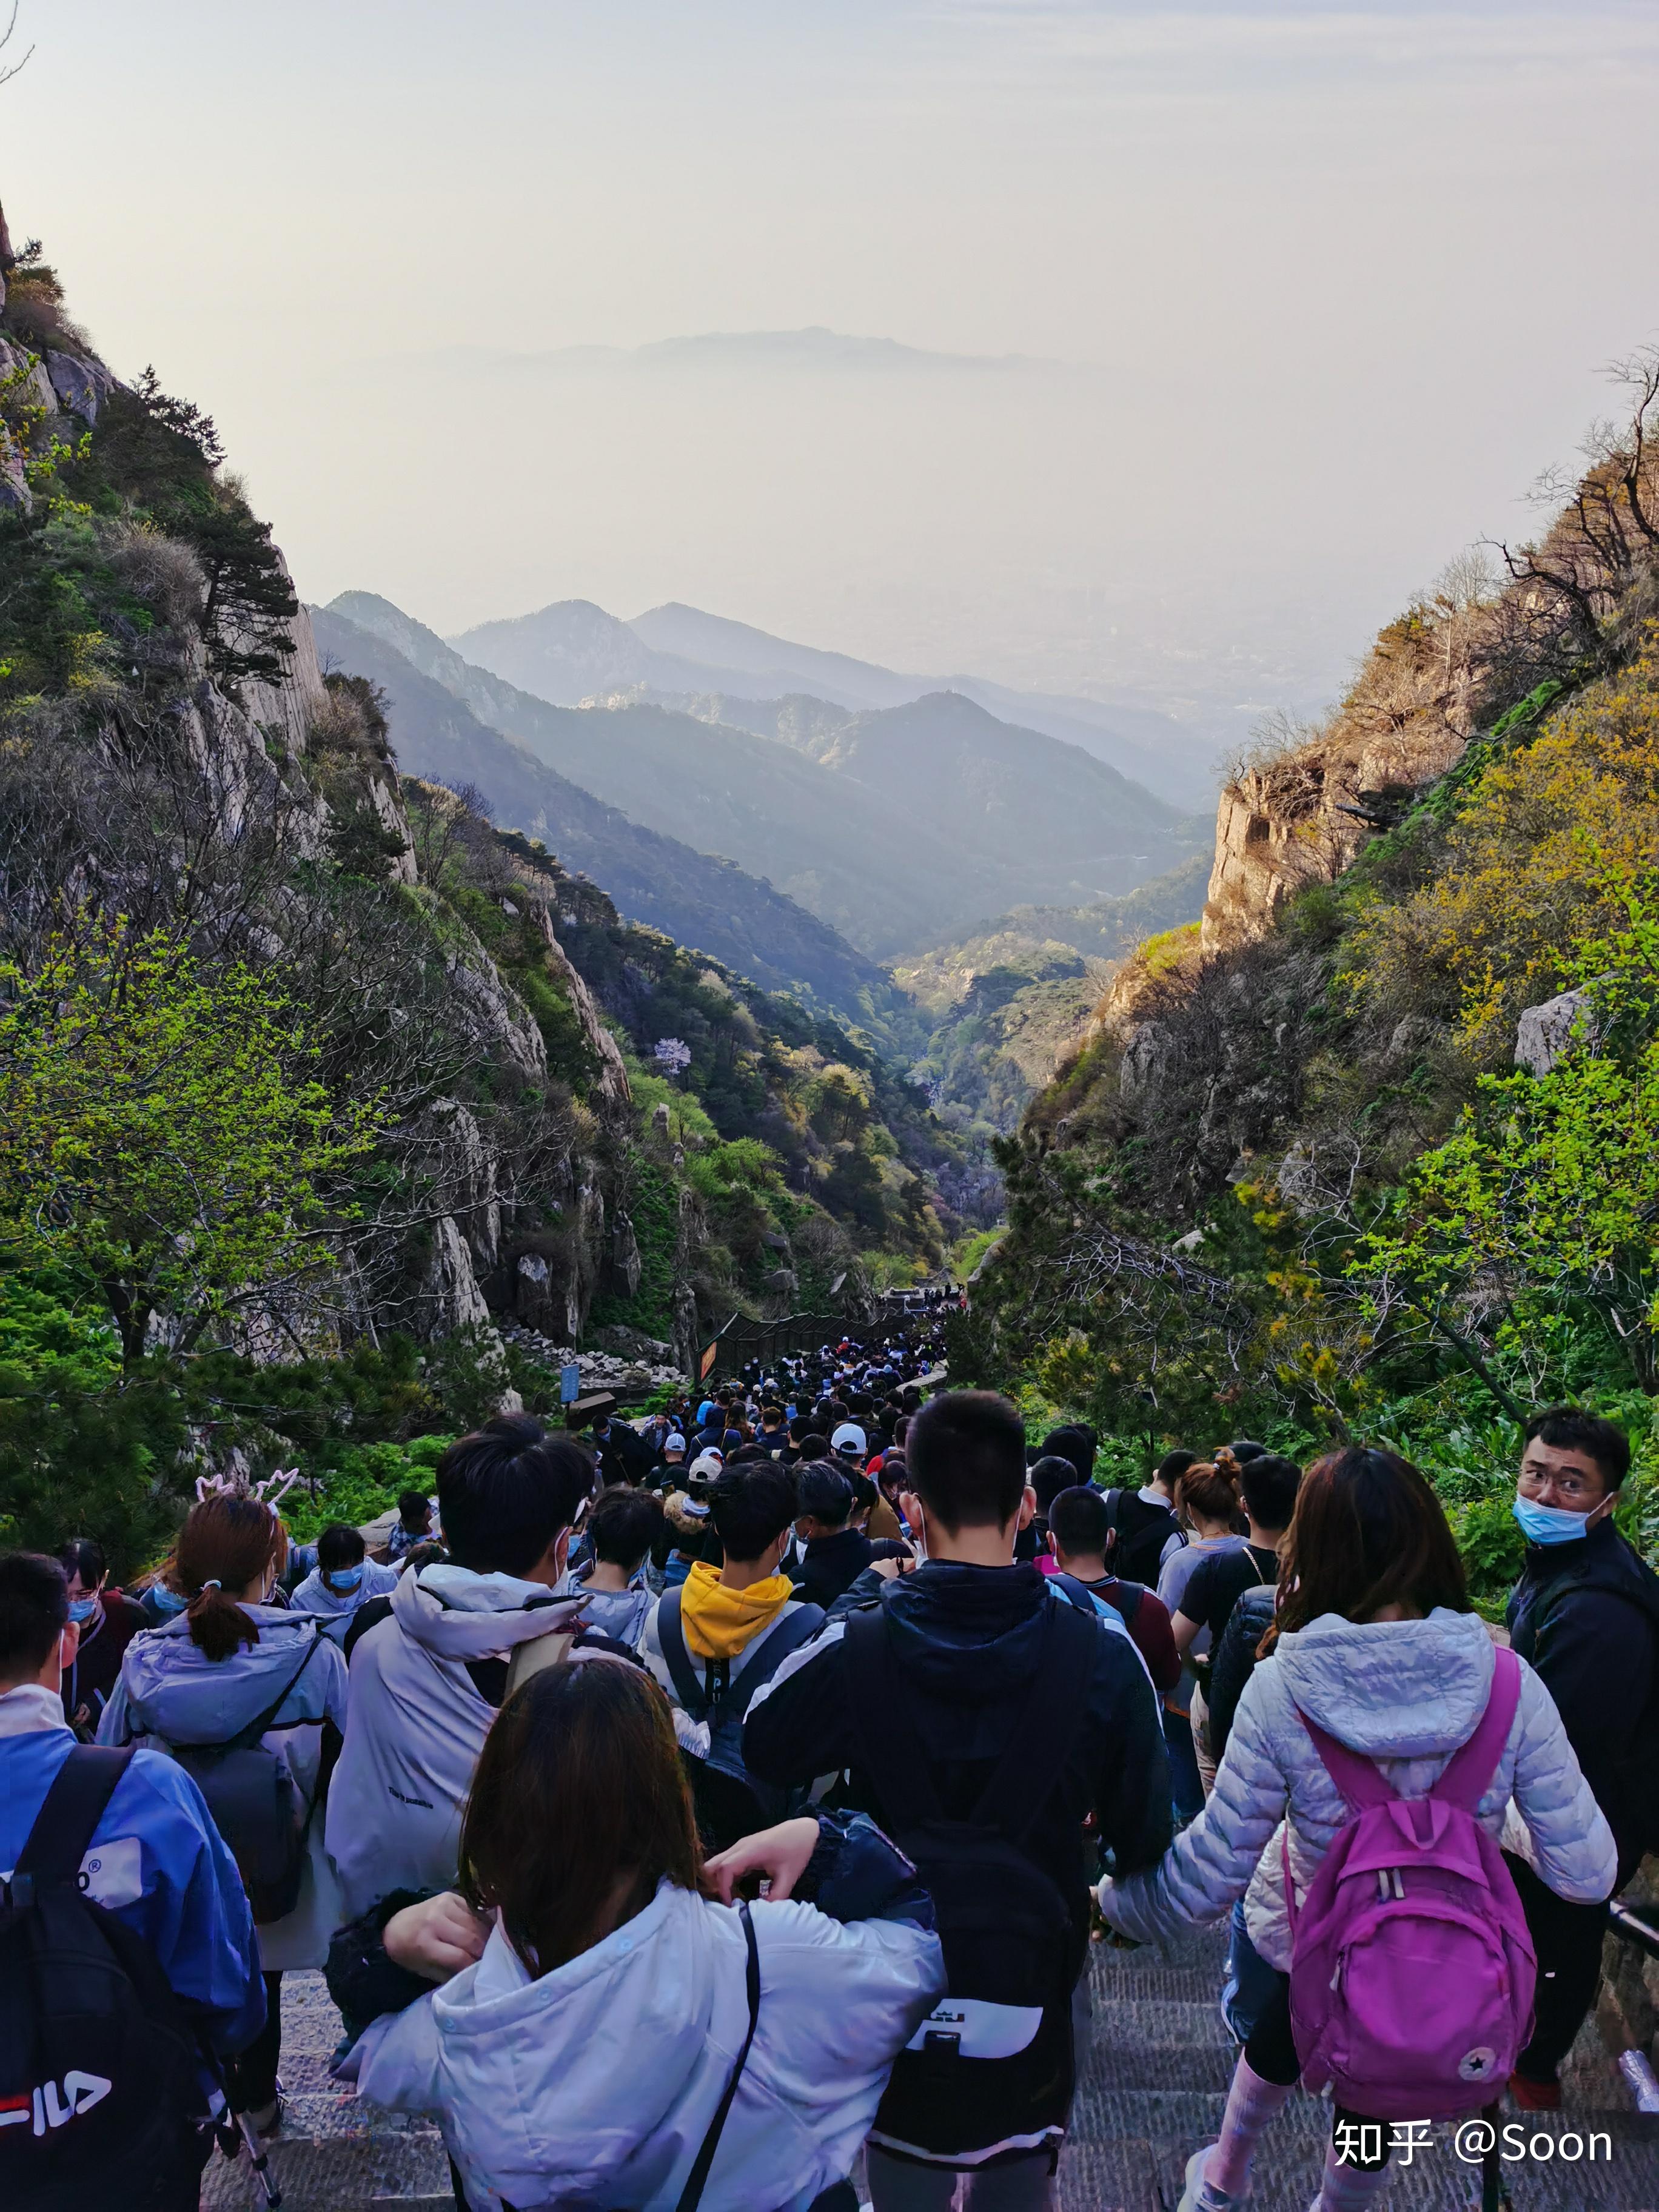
x,y
1330,285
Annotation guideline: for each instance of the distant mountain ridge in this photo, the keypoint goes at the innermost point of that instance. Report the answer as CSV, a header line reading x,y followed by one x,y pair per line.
x,y
691,896
574,650
813,347
912,828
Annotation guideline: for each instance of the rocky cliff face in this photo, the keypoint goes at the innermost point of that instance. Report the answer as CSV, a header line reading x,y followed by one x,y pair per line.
x,y
1300,815
182,760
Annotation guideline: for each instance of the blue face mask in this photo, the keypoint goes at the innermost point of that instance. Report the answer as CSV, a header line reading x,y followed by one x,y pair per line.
x,y
345,1580
1550,1524
83,1608
167,1602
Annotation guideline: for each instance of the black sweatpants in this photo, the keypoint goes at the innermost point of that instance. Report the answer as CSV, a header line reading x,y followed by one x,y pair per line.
x,y
1271,2052
1567,1938
253,2072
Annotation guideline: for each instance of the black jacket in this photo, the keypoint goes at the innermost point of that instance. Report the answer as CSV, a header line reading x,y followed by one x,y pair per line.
x,y
831,1565
1586,1617
969,1639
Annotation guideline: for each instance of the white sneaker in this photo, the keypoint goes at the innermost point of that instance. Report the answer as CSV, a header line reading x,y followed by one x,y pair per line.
x,y
1201,2196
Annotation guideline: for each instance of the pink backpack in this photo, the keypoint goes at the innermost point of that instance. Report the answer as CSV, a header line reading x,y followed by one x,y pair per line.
x,y
1412,1973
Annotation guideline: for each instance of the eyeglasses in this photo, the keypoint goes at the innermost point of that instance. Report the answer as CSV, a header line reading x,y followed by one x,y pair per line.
x,y
1569,1481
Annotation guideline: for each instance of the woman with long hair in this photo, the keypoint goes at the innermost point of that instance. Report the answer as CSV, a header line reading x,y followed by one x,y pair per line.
x,y
1375,1646
600,2004
230,1659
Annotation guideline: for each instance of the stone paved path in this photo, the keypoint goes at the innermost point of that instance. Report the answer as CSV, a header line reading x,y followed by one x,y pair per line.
x,y
1152,2090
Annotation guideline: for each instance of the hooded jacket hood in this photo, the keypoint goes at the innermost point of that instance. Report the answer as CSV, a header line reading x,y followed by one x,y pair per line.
x,y
1392,1689
175,1690
968,1634
458,1615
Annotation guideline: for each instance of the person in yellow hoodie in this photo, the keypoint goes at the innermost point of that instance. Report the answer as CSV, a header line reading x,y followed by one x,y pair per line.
x,y
715,1640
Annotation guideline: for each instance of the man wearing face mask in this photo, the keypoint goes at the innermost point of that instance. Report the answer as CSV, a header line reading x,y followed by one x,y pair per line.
x,y
343,1578
1585,1615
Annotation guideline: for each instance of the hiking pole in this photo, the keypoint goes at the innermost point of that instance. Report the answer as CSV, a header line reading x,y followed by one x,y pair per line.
x,y
260,2158
1494,2190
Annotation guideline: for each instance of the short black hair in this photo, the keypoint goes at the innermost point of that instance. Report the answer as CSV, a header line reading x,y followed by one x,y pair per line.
x,y
411,1505
83,1556
965,1454
1173,1465
824,1491
750,1507
1073,1444
34,1607
340,1546
1050,1475
1270,1485
813,1446
1079,1521
624,1525
1569,1428
505,1493
1245,1448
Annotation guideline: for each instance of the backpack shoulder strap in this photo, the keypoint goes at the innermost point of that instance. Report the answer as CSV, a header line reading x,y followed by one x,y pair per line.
x,y
255,1729
1112,1499
697,2180
1053,1712
671,1635
894,1755
1359,1780
801,1622
68,1815
1469,1773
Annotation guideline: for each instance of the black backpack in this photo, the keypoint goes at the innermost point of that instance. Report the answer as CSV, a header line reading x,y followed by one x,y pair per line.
x,y
256,1805
1142,1531
735,1804
100,2080
993,2062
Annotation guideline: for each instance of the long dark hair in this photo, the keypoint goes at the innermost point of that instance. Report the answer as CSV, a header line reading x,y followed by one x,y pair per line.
x,y
579,1786
1367,1532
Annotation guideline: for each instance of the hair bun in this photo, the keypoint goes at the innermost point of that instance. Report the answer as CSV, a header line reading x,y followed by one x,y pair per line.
x,y
1224,1463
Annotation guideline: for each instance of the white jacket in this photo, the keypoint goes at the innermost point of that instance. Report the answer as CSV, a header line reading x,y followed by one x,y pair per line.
x,y
170,1691
594,2086
417,1722
1405,1694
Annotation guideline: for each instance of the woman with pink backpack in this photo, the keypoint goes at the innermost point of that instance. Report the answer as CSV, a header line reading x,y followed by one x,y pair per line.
x,y
1375,1754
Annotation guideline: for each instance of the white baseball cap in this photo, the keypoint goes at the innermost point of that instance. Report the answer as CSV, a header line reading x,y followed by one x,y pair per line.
x,y
675,1442
708,1463
849,1437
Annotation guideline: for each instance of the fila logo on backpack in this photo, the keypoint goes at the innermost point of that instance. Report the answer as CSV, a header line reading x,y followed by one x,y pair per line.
x,y
1411,1972
44,2108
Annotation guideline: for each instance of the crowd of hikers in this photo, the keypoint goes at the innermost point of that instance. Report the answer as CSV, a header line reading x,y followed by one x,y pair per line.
x,y
713,1807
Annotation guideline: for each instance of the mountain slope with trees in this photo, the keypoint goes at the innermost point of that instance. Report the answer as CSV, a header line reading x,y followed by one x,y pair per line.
x,y
1372,1151
691,896
311,1079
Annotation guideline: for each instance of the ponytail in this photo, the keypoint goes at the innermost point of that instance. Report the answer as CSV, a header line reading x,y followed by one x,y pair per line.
x,y
227,1543
1211,1487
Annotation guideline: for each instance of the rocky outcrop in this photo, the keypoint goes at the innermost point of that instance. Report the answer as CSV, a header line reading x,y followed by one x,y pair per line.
x,y
452,1298
1545,1034
612,1087
1299,814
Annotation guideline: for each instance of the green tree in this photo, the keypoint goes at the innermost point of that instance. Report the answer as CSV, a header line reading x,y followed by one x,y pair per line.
x,y
159,1136
1545,1198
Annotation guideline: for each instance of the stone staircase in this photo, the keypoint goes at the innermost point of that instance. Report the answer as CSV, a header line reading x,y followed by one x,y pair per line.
x,y
1151,2090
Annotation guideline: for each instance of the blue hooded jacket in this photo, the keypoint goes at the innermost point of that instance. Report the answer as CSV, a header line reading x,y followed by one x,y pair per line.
x,y
157,1861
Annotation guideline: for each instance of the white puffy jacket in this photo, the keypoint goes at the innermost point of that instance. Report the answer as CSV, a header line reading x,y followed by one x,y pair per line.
x,y
595,2085
1405,1694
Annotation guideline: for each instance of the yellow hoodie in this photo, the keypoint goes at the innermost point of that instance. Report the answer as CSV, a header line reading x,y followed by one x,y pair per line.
x,y
717,1622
